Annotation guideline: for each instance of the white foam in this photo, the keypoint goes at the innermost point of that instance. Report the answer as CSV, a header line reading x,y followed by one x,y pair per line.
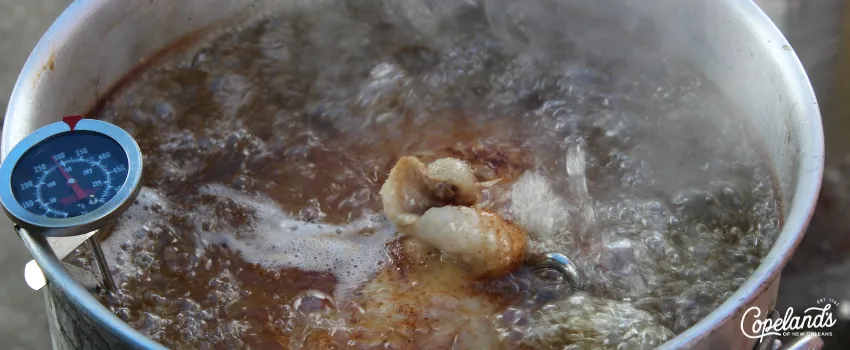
x,y
139,214
352,252
278,239
536,207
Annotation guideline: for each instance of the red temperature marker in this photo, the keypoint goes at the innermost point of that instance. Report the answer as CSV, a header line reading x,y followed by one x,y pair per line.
x,y
72,120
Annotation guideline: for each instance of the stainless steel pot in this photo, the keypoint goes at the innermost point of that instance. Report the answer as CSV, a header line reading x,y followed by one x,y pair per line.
x,y
95,43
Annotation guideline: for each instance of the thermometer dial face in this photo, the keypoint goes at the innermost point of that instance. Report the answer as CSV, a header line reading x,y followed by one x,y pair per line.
x,y
70,177
70,174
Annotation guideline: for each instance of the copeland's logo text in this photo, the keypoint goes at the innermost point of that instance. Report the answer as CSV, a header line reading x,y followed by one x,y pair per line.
x,y
813,318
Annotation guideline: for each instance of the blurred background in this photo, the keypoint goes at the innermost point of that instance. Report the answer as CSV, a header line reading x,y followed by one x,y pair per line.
x,y
819,31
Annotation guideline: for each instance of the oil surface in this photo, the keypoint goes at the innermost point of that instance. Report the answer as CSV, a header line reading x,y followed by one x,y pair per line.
x,y
260,222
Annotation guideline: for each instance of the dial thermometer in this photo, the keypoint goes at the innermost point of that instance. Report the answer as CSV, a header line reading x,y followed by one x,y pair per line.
x,y
70,178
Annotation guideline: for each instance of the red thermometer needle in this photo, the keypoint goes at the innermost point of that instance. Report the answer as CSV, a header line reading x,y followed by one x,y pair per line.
x,y
70,181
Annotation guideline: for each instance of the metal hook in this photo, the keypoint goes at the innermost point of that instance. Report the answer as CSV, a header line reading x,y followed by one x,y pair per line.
x,y
563,265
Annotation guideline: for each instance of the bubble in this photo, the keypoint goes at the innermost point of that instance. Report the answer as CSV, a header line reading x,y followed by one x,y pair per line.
x,y
313,301
164,111
230,91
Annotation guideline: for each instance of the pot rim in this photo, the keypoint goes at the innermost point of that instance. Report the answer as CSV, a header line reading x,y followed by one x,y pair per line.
x,y
805,194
